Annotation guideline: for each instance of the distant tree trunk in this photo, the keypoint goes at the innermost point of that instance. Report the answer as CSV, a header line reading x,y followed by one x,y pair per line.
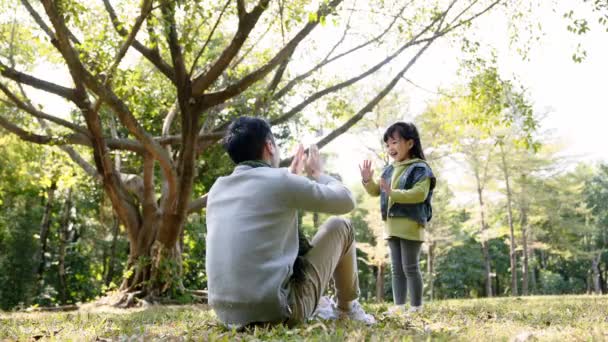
x,y
112,256
63,240
44,230
315,220
505,170
605,280
525,266
380,283
595,267
534,275
602,280
484,243
497,288
431,269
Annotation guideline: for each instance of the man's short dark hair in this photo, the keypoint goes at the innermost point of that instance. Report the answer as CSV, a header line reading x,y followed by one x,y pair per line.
x,y
246,137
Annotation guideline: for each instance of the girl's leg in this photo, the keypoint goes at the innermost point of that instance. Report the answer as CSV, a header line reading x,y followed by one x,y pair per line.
x,y
410,259
399,284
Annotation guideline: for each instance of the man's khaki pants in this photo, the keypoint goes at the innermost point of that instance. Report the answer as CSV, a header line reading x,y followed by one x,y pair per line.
x,y
333,255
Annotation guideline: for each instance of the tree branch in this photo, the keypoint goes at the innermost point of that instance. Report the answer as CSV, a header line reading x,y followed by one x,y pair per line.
x,y
42,24
150,54
200,53
237,88
25,135
38,19
253,45
240,8
368,107
146,8
295,110
198,204
76,158
39,114
283,91
171,114
17,76
246,24
181,76
262,100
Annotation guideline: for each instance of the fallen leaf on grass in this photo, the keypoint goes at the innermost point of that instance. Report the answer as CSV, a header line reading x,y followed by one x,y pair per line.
x,y
46,334
315,326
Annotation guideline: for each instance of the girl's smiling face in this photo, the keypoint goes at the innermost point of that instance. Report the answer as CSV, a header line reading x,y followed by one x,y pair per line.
x,y
398,147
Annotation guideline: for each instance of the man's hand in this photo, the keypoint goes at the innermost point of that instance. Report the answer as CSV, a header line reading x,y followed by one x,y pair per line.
x,y
299,159
366,171
385,186
313,165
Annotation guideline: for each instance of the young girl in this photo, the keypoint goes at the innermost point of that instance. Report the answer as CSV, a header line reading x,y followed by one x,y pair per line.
x,y
405,189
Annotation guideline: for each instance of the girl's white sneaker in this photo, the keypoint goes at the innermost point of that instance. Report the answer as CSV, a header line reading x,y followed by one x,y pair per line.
x,y
415,309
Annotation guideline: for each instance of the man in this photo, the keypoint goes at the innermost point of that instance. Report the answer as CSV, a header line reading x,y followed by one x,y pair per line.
x,y
252,238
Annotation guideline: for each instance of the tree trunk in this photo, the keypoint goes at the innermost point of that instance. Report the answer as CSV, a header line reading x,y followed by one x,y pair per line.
x,y
484,243
63,240
112,256
602,280
605,280
315,220
497,288
153,269
524,237
534,275
595,267
380,283
505,170
431,269
44,230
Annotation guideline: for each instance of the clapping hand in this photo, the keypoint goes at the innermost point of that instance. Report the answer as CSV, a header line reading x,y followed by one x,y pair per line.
x,y
299,159
313,164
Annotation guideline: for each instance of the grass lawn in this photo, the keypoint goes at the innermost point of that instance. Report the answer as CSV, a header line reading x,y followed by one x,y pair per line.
x,y
550,318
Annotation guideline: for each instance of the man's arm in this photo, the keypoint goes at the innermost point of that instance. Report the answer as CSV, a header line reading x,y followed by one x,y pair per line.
x,y
326,195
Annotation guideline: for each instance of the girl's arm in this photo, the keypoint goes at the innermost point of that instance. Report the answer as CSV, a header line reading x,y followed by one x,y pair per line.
x,y
417,194
372,187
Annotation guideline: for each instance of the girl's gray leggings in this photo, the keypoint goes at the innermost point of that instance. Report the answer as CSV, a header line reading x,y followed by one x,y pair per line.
x,y
405,256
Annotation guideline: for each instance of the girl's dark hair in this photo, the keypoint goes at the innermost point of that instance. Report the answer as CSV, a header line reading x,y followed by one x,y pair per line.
x,y
246,137
406,130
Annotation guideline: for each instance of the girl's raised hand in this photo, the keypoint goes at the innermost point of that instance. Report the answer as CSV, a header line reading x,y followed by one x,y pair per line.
x,y
366,171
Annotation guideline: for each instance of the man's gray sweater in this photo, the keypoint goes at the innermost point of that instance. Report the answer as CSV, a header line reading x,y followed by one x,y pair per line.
x,y
252,238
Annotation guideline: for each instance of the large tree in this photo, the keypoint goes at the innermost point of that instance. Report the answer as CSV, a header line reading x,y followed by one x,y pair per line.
x,y
157,83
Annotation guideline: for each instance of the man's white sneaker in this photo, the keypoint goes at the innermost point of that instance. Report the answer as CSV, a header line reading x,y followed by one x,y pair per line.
x,y
326,309
356,313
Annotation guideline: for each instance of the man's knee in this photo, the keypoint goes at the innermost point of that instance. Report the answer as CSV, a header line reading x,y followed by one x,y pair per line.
x,y
341,224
